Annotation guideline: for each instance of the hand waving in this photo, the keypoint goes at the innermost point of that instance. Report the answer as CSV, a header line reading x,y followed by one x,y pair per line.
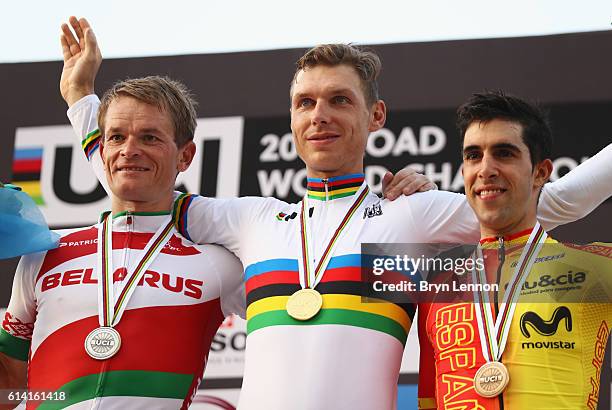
x,y
82,60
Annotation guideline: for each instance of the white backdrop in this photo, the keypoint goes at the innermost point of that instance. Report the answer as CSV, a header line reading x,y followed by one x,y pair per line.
x,y
29,30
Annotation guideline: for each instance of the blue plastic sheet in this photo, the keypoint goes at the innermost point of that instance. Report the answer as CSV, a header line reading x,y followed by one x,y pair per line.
x,y
23,228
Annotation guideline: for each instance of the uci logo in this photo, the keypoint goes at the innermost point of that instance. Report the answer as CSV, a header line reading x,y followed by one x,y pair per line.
x,y
97,342
492,379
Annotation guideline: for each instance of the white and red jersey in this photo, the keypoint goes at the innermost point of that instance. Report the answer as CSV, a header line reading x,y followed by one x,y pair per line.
x,y
348,356
166,329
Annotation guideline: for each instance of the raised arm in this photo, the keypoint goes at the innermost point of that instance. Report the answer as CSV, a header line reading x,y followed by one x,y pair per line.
x,y
82,59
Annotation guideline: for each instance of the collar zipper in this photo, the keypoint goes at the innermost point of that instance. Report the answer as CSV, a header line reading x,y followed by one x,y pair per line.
x,y
501,257
325,181
129,221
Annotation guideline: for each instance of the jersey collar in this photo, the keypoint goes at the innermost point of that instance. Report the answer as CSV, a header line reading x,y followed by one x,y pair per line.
x,y
137,221
328,189
513,239
511,242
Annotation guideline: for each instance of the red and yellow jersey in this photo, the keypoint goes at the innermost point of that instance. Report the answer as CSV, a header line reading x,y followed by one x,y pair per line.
x,y
556,343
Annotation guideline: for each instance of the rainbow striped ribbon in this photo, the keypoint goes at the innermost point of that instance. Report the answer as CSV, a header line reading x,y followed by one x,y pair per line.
x,y
310,277
110,313
494,333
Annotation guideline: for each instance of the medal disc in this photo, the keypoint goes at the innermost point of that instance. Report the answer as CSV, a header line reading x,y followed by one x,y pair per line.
x,y
102,343
491,379
304,304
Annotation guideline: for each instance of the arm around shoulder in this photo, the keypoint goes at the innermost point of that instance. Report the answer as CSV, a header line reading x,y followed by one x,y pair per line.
x,y
226,222
439,217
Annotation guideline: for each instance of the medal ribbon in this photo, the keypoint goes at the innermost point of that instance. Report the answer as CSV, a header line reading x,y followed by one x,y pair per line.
x,y
111,310
494,333
310,277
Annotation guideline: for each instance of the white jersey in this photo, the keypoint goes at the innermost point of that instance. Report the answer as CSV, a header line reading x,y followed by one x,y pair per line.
x,y
349,355
166,329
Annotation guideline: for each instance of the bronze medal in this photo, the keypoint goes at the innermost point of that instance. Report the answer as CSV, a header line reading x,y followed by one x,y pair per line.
x,y
491,379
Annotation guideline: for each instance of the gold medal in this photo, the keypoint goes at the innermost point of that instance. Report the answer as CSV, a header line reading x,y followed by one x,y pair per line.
x,y
491,379
304,304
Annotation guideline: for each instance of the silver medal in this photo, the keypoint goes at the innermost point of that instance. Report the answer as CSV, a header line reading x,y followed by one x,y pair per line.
x,y
102,343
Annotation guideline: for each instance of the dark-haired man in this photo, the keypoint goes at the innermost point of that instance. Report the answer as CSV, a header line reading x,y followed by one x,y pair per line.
x,y
539,341
312,342
122,314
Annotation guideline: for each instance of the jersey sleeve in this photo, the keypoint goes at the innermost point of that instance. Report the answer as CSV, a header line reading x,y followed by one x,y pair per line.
x,y
18,322
224,222
231,281
578,192
83,116
595,258
427,363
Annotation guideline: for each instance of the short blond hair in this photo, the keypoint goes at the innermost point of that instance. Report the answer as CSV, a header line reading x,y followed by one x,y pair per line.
x,y
365,62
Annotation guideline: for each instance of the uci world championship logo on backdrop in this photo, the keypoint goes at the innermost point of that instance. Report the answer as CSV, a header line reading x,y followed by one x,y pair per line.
x,y
49,165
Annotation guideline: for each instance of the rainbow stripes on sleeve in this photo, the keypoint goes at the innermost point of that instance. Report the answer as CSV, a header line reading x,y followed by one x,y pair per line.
x,y
180,214
91,142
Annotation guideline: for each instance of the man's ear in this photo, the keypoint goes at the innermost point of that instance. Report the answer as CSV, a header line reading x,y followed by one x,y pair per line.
x,y
378,116
101,151
542,172
186,154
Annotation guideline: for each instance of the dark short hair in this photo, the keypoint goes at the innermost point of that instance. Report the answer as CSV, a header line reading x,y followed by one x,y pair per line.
x,y
164,93
491,105
365,62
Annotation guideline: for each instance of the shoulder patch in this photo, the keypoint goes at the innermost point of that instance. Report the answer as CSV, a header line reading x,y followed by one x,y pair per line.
x,y
597,248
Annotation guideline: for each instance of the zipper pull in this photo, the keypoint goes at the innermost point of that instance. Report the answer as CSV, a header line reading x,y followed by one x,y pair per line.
x,y
325,181
501,254
128,219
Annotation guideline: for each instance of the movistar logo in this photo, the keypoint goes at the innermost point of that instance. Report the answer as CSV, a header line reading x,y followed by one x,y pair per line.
x,y
546,327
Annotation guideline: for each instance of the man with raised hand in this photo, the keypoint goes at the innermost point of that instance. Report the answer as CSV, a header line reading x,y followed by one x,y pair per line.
x,y
312,343
540,340
122,314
